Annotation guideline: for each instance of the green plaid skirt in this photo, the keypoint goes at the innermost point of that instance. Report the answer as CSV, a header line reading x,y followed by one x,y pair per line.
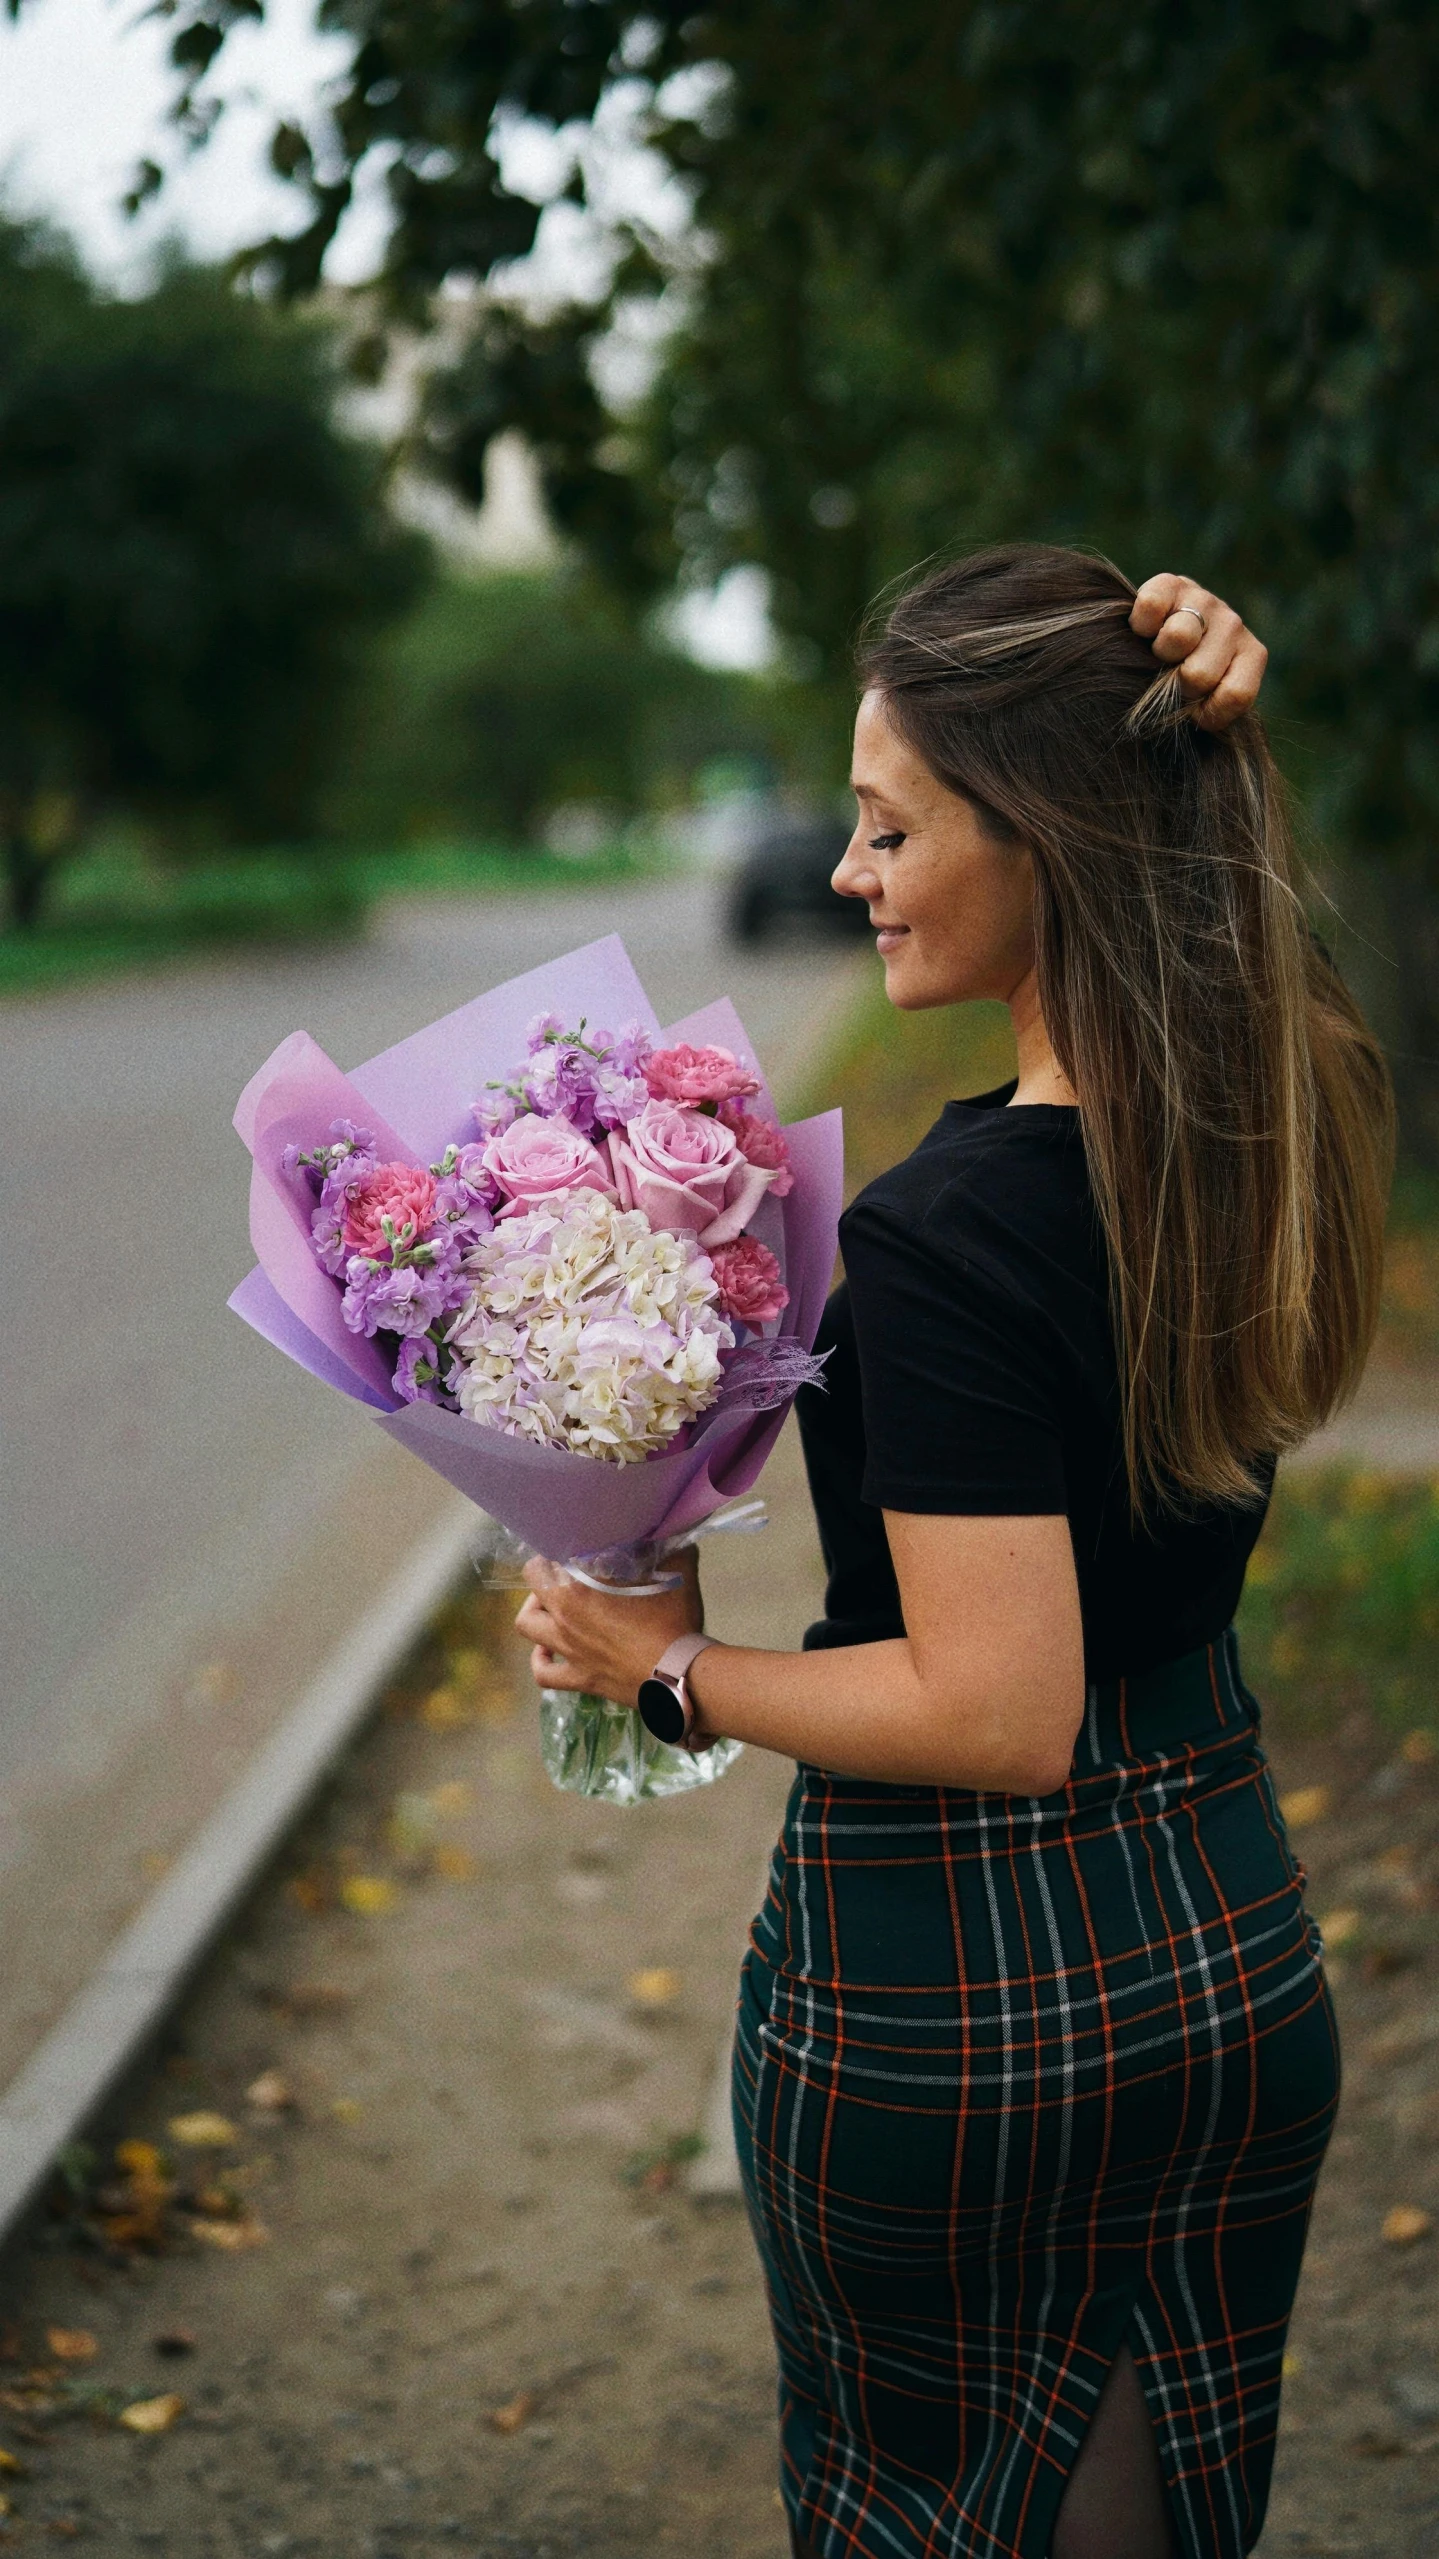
x,y
1018,2080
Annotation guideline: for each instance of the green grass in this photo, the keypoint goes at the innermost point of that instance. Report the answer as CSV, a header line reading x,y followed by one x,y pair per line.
x,y
111,911
434,869
111,915
1341,1605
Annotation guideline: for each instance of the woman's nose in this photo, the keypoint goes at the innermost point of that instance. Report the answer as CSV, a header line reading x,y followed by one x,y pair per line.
x,y
853,875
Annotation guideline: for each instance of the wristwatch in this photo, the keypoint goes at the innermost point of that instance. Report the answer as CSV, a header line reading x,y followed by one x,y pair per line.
x,y
666,1707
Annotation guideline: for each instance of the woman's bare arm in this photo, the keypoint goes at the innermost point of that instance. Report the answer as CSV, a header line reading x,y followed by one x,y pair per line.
x,y
985,1689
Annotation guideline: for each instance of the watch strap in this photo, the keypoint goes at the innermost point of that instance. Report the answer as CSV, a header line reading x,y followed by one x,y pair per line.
x,y
676,1658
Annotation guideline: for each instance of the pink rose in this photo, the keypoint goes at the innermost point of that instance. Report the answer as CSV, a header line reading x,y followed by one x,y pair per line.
x,y
534,1159
760,1142
400,1192
748,1278
686,1074
686,1172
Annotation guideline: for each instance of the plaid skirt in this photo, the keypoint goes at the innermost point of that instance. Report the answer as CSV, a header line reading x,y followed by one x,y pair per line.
x,y
1017,2081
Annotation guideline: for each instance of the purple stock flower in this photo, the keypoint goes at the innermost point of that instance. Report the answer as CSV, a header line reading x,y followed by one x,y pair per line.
x,y
463,1173
495,1109
630,1048
618,1096
327,1234
417,1373
560,1084
350,1152
406,1297
466,1194
589,1077
464,1217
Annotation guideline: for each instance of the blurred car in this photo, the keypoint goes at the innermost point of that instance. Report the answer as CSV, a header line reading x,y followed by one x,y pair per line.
x,y
783,877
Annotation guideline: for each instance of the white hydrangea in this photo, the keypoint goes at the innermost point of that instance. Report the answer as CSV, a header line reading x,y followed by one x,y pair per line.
x,y
589,1329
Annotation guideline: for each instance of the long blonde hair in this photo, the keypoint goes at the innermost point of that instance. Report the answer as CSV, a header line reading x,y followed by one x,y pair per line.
x,y
1236,1110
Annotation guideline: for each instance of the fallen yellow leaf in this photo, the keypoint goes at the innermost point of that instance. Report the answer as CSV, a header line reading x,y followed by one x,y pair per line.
x,y
1419,1747
369,1895
1290,2365
271,2093
153,2416
655,1986
232,2235
346,2110
72,2345
203,2130
1405,2223
11,2465
1305,1804
444,1711
514,2414
1337,1927
141,2160
455,1864
455,1796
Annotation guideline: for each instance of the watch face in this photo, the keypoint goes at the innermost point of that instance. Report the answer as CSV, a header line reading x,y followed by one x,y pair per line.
x,y
661,1711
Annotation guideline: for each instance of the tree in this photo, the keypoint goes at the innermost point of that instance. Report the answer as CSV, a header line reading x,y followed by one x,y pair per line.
x,y
1151,274
508,695
192,560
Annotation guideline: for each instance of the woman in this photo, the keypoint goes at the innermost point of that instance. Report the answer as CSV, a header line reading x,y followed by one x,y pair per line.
x,y
1036,2064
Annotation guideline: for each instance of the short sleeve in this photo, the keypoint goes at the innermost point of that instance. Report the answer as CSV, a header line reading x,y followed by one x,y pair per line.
x,y
961,1404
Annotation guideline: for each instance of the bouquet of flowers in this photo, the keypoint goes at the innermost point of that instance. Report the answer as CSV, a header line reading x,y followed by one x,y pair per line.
x,y
585,1293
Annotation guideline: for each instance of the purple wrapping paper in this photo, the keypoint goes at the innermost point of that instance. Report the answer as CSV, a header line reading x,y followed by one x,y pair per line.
x,y
416,1098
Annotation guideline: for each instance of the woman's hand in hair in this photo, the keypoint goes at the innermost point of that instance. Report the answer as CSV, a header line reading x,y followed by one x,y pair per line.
x,y
1218,657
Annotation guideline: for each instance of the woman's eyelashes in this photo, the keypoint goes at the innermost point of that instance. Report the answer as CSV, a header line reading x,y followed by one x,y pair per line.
x,y
885,843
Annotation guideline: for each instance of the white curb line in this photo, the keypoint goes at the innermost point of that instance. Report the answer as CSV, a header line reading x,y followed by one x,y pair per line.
x,y
104,2027
715,2173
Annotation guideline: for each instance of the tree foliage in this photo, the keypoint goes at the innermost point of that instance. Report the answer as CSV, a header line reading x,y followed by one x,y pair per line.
x,y
192,560
1153,274
506,696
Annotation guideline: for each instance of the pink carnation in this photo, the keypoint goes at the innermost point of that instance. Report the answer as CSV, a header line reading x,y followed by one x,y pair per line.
x,y
748,1279
759,1142
686,1074
400,1192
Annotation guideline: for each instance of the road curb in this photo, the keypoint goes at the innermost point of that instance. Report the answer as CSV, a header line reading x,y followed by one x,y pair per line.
x,y
148,1964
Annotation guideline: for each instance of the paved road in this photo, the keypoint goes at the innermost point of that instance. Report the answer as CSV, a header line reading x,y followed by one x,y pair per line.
x,y
187,1523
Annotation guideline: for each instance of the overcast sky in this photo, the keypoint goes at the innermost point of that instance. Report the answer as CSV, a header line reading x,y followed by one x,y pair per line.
x,y
84,88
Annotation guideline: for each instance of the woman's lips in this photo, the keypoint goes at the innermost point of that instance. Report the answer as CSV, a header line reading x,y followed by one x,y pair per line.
x,y
888,937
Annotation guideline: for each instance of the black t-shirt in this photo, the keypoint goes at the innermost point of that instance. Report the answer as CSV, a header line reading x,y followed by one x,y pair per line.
x,y
972,1370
